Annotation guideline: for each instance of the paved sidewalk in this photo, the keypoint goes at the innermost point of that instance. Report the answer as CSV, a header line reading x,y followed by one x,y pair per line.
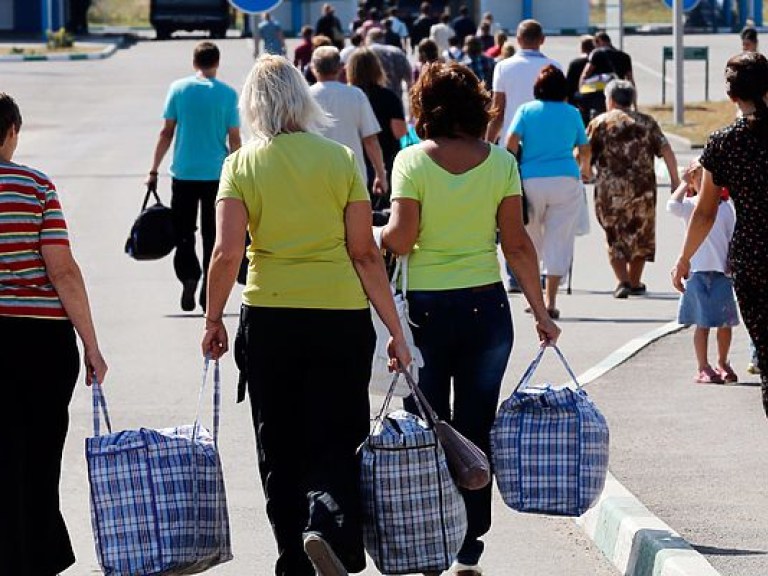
x,y
694,454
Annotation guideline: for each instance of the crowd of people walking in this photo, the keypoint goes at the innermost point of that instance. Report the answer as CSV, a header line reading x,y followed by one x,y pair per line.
x,y
508,138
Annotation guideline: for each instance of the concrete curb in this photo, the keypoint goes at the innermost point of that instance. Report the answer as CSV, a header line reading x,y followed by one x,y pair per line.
x,y
630,536
105,53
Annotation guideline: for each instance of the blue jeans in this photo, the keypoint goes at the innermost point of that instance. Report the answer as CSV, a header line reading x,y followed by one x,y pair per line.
x,y
465,337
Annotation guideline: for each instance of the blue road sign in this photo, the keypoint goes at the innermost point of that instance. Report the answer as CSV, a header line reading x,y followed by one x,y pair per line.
x,y
687,4
254,6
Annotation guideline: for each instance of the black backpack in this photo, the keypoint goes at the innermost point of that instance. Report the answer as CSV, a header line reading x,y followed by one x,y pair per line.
x,y
151,236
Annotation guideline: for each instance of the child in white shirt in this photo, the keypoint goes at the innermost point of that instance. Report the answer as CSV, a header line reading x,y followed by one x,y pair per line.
x,y
708,301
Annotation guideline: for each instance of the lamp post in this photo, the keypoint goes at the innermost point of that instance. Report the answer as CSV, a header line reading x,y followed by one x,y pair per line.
x,y
46,16
677,30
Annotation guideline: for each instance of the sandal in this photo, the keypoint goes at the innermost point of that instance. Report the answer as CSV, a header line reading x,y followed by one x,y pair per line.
x,y
727,374
554,313
623,290
707,375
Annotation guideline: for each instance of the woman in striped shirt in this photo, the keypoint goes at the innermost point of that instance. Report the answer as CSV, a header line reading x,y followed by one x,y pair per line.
x,y
43,302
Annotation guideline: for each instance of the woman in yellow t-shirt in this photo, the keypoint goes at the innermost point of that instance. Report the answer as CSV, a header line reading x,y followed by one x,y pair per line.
x,y
450,196
305,341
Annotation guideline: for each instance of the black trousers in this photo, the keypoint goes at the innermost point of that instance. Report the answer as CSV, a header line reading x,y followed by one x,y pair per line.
x,y
40,364
308,374
751,287
187,198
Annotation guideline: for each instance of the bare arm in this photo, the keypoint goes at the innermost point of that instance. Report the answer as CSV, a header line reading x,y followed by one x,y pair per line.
x,y
234,139
701,222
67,279
398,127
499,103
164,140
402,230
513,143
369,265
521,256
375,156
584,157
231,224
589,69
671,162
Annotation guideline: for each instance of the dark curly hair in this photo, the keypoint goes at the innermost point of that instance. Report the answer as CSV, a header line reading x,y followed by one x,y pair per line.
x,y
746,78
9,116
450,100
550,85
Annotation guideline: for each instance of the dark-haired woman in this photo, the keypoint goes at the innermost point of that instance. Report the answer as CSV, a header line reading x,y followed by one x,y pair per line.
x,y
549,129
364,71
43,304
456,297
736,158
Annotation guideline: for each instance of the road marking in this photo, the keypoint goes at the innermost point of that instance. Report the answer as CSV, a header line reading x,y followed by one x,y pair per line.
x,y
631,536
654,72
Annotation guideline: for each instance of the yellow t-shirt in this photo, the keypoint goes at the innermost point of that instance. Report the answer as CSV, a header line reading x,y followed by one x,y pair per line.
x,y
456,246
295,190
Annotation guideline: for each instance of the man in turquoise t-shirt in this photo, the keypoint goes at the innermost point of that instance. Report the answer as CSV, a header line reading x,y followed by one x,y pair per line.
x,y
202,121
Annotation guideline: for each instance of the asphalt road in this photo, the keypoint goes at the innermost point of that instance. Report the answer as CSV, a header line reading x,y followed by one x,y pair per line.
x,y
92,127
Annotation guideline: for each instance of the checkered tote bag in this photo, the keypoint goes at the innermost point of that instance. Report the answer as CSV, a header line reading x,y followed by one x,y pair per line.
x,y
549,447
414,518
157,496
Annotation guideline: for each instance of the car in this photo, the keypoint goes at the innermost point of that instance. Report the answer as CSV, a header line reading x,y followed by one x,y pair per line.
x,y
169,16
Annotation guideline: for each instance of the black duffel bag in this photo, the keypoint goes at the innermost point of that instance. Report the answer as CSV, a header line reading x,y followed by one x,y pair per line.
x,y
151,236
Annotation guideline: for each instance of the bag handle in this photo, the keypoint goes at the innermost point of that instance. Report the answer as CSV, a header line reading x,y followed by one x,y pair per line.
x,y
421,400
216,399
151,190
528,374
99,409
428,417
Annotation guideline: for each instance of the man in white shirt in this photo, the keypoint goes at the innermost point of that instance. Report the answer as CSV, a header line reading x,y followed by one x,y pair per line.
x,y
355,124
513,78
513,81
441,32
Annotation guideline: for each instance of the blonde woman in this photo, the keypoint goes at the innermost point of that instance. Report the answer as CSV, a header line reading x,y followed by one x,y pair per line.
x,y
305,341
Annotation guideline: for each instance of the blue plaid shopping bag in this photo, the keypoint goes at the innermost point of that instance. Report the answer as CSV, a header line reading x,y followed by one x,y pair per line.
x,y
549,447
414,519
158,505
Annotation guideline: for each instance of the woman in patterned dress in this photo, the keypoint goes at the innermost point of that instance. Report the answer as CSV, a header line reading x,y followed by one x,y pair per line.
x,y
736,158
624,144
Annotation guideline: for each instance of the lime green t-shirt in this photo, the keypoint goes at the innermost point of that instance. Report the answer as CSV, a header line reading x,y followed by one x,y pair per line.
x,y
456,246
296,189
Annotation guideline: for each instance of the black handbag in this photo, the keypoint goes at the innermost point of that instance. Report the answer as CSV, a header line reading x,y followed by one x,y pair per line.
x,y
151,236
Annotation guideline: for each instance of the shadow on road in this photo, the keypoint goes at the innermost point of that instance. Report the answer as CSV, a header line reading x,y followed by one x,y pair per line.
x,y
715,551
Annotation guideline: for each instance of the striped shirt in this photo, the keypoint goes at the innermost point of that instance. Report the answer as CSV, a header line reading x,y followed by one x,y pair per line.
x,y
30,218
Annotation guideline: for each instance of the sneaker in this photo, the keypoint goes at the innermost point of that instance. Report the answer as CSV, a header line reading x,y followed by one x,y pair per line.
x,y
323,558
623,290
638,290
460,569
707,375
727,374
753,368
188,295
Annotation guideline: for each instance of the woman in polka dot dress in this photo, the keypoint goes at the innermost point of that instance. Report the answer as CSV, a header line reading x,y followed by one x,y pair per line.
x,y
736,158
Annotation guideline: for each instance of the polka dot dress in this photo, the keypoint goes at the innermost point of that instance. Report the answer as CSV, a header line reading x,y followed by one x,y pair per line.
x,y
737,158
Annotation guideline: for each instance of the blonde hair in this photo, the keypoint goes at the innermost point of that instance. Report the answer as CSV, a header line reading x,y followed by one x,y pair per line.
x,y
276,98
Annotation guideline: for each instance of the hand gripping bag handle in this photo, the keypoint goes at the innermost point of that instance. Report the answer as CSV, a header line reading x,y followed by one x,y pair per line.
x,y
469,465
528,374
153,191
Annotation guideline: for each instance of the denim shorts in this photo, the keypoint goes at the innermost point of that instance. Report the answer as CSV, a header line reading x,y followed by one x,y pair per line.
x,y
708,301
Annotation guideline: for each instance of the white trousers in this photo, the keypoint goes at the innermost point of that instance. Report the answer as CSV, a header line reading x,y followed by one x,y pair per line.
x,y
553,212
